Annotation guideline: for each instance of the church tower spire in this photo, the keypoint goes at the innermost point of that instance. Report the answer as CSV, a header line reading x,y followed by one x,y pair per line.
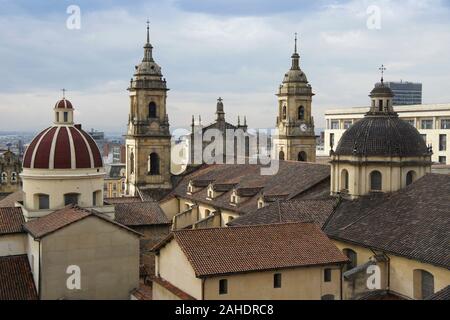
x,y
296,139
148,138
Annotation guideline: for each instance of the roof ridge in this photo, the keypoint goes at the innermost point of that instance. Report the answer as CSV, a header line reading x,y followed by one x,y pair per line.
x,y
245,226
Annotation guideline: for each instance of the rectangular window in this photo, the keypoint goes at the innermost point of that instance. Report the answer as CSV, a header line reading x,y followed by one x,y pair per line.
x,y
66,117
44,202
57,117
347,124
331,139
334,124
277,280
223,286
327,275
442,142
94,199
445,123
427,124
443,160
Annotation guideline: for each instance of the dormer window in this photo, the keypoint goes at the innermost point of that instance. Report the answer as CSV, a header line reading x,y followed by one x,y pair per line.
x,y
234,198
260,203
210,193
190,188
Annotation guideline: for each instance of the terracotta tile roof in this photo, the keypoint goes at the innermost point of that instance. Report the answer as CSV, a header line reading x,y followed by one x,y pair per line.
x,y
16,279
317,211
11,199
140,214
11,220
292,180
59,219
413,222
443,294
153,194
144,292
255,248
122,200
171,288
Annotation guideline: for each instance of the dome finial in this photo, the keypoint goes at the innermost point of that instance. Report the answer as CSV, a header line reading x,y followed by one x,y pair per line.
x,y
64,92
295,47
148,31
382,69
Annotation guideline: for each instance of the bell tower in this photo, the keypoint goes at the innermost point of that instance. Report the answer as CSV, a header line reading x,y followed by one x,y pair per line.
x,y
295,140
148,138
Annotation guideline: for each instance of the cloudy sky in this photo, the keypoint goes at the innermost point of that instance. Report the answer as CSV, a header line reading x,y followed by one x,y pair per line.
x,y
237,49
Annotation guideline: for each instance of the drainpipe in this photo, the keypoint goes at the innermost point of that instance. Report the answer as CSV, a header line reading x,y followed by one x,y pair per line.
x,y
341,289
203,288
40,272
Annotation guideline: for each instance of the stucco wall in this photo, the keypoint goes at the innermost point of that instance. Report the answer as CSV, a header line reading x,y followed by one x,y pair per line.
x,y
12,244
401,275
107,255
305,283
161,293
173,266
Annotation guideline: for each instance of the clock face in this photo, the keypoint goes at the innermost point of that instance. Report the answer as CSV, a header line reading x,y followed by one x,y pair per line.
x,y
303,127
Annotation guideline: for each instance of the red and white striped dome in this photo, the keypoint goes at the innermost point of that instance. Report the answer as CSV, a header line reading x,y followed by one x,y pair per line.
x,y
62,147
63,104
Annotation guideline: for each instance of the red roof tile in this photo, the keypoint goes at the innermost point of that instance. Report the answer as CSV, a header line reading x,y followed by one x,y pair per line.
x,y
11,220
255,248
16,279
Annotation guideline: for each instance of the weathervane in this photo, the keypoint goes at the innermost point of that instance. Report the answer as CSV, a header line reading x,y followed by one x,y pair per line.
x,y
382,69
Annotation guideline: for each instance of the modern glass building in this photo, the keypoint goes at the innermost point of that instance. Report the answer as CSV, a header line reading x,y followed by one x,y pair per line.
x,y
405,93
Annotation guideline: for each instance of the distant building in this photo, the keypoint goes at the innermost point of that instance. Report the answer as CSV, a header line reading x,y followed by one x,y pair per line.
x,y
10,168
405,93
115,181
432,121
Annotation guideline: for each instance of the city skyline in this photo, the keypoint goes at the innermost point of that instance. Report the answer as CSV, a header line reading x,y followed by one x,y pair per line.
x,y
211,51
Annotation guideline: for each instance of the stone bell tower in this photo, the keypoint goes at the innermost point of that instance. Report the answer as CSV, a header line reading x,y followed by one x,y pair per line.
x,y
148,139
296,140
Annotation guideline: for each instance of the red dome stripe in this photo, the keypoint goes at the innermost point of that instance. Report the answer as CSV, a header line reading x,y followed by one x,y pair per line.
x,y
63,104
62,158
95,152
29,152
42,157
82,157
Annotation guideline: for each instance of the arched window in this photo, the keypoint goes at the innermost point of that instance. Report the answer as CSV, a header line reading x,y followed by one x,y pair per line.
x,y
410,177
423,284
4,177
153,164
43,201
302,156
344,180
328,297
207,213
152,110
284,113
132,162
352,256
71,198
230,218
281,155
375,181
301,113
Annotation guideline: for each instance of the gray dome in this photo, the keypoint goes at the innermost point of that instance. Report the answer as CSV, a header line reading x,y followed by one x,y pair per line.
x,y
149,68
381,90
295,76
382,135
